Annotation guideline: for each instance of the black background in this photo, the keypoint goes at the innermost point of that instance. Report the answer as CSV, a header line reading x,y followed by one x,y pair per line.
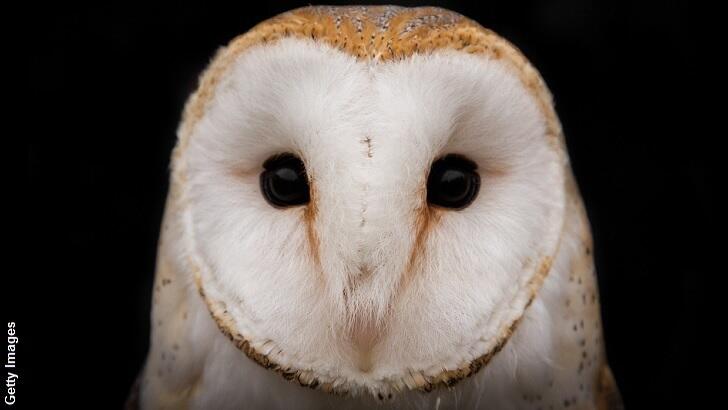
x,y
110,81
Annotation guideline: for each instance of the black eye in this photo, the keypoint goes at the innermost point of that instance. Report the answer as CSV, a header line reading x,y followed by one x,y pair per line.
x,y
453,182
284,182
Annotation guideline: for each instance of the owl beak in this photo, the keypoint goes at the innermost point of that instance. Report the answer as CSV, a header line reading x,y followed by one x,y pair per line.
x,y
365,327
364,336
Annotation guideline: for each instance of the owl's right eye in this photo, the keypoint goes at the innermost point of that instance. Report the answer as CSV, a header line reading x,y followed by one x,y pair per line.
x,y
284,182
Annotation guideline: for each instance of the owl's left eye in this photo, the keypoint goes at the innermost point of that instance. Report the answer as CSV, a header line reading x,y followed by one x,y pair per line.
x,y
284,182
453,182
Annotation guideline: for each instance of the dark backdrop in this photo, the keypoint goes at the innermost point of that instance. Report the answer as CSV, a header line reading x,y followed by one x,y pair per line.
x,y
110,82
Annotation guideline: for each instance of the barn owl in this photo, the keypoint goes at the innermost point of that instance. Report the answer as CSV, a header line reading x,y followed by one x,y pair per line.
x,y
372,207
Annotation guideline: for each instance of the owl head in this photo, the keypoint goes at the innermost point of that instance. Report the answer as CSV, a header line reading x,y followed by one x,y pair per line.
x,y
372,196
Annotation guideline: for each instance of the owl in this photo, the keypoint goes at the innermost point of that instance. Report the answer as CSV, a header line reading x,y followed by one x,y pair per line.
x,y
373,207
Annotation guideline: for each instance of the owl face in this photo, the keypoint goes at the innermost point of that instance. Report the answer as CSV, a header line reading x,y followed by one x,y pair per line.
x,y
369,225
